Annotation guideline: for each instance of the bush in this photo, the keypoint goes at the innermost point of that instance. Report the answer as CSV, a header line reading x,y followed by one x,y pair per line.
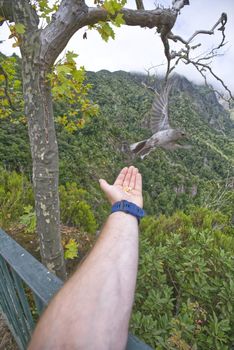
x,y
28,219
17,203
15,193
185,289
74,208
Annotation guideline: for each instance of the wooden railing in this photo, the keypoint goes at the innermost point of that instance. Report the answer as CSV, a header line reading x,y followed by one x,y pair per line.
x,y
26,288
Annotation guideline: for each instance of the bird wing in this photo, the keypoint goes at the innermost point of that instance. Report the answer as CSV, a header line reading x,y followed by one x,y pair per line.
x,y
159,111
171,146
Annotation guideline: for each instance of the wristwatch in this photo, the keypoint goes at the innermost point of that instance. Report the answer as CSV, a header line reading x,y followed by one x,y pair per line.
x,y
129,208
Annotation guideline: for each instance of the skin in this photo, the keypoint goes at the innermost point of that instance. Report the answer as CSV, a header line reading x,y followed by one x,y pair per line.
x,y
93,308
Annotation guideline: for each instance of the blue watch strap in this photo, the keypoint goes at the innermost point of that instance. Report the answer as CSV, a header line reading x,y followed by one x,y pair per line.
x,y
129,208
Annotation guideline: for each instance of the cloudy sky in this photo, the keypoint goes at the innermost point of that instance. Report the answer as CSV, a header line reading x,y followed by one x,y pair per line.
x,y
139,49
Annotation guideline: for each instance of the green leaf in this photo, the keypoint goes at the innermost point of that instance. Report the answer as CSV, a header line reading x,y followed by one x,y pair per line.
x,y
28,209
29,219
70,55
20,28
63,69
110,6
118,21
105,31
71,249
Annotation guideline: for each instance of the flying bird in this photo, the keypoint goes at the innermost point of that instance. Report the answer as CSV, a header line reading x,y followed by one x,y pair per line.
x,y
163,134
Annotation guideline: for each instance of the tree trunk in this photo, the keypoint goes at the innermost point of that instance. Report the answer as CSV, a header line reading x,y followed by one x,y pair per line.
x,y
44,150
39,50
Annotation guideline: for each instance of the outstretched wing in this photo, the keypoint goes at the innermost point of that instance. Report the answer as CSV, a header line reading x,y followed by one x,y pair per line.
x,y
159,111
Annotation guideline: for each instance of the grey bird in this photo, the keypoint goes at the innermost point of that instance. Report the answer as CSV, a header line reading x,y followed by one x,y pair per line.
x,y
163,134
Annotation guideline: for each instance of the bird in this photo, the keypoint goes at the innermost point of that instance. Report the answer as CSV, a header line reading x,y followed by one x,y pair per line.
x,y
163,134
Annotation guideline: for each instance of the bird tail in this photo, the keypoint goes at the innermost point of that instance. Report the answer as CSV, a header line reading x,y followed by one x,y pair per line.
x,y
138,146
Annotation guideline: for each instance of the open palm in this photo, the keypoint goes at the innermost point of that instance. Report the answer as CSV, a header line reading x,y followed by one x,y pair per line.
x,y
128,186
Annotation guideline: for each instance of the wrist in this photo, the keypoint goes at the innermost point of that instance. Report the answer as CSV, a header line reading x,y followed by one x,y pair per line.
x,y
122,216
128,208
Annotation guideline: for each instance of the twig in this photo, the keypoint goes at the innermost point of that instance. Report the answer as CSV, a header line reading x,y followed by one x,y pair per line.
x,y
201,63
139,4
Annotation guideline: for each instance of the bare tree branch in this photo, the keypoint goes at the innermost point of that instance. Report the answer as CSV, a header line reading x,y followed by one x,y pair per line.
x,y
148,87
140,5
201,68
222,20
176,38
72,16
166,33
202,64
20,11
177,5
65,22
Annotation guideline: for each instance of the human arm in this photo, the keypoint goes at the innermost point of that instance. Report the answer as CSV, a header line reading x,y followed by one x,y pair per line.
x,y
93,308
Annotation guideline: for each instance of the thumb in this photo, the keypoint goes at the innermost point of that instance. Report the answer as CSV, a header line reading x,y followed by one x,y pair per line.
x,y
104,185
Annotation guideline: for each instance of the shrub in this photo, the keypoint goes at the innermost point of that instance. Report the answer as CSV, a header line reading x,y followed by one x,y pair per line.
x,y
74,208
28,219
15,193
185,287
17,203
71,249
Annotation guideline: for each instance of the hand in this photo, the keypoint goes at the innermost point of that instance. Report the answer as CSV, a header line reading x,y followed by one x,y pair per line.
x,y
128,186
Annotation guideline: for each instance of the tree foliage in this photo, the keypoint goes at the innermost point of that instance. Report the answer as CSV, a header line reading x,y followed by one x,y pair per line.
x,y
68,84
10,89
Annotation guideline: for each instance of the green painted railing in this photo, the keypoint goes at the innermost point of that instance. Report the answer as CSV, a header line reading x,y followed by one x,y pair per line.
x,y
26,287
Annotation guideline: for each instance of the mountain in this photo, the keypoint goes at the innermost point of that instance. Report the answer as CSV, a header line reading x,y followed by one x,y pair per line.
x,y
172,180
185,296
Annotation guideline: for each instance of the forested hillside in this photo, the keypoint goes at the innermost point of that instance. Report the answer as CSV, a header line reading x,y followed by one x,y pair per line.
x,y
185,288
201,176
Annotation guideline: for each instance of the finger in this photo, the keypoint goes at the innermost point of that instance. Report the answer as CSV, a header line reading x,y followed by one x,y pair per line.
x,y
128,177
120,178
138,185
133,178
104,185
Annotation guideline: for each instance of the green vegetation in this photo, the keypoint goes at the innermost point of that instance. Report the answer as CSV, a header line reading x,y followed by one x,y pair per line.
x,y
16,204
71,249
185,290
28,219
172,180
74,209
15,194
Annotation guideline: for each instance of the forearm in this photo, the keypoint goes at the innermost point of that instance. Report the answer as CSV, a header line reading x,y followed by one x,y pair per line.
x,y
92,310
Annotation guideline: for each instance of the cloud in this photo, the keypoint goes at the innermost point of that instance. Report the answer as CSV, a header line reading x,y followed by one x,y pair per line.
x,y
138,49
203,15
